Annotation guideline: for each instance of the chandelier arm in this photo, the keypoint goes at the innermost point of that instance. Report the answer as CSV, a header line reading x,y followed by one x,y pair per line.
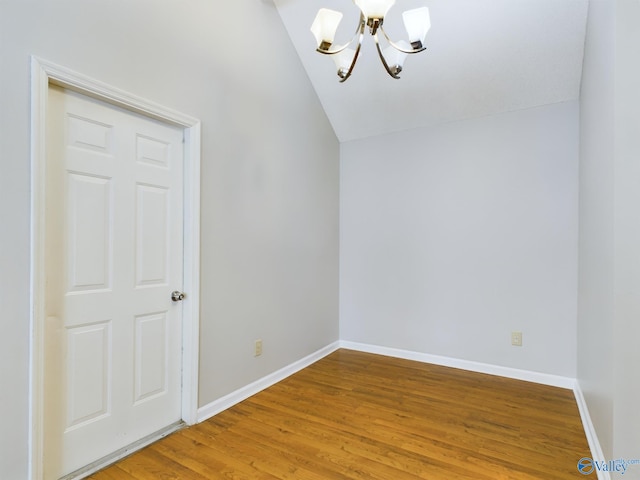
x,y
360,34
400,49
383,60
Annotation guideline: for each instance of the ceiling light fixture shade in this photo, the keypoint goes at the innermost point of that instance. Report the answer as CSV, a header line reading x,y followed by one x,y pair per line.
x,y
372,13
374,8
417,23
324,27
395,58
343,60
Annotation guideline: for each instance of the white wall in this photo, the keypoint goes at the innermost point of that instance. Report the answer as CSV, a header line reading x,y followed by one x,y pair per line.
x,y
609,301
626,351
596,265
269,176
454,236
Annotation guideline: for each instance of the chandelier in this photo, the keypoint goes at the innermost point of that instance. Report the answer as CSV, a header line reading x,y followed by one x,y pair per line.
x,y
372,13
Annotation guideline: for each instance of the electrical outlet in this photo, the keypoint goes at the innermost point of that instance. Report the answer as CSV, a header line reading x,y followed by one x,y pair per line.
x,y
258,348
516,339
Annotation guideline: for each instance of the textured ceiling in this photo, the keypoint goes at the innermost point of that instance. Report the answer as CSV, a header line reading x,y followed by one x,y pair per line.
x,y
483,57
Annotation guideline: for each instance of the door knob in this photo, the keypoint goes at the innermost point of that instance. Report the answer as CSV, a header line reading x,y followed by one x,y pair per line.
x,y
177,296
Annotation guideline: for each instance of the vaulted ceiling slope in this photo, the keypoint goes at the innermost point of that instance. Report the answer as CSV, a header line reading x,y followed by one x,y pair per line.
x,y
483,57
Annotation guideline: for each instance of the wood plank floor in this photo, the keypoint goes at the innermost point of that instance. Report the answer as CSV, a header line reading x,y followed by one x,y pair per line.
x,y
354,415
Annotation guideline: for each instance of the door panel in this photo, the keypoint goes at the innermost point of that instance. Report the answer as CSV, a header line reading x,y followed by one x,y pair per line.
x,y
89,206
85,133
151,369
113,254
151,235
89,373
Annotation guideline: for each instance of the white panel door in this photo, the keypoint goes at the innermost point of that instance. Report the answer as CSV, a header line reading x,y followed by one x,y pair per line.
x,y
113,255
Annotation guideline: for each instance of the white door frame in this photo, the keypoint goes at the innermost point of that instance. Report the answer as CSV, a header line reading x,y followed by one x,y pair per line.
x,y
44,73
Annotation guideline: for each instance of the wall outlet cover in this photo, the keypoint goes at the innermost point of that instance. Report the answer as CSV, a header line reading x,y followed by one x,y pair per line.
x,y
516,339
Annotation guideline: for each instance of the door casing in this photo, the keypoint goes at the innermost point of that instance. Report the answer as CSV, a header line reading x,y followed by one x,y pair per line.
x,y
44,73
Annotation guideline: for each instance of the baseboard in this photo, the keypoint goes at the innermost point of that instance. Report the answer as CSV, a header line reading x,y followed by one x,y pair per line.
x,y
243,393
589,430
526,375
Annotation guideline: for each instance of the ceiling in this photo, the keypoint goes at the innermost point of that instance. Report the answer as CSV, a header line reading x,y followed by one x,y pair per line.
x,y
483,57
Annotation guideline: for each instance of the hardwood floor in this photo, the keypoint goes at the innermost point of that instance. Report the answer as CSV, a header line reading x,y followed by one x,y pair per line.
x,y
354,415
